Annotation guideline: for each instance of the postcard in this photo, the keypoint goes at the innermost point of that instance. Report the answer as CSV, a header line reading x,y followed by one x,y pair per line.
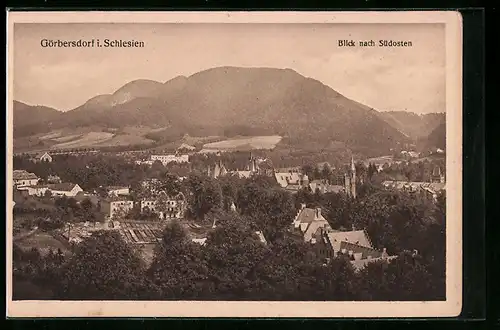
x,y
234,164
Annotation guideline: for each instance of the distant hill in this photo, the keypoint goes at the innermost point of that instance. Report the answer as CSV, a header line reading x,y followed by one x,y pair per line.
x,y
29,120
226,100
414,125
437,138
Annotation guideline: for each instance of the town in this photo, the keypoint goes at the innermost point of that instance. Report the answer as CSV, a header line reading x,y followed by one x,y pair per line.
x,y
232,225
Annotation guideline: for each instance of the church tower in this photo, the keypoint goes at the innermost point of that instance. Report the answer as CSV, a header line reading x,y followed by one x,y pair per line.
x,y
350,180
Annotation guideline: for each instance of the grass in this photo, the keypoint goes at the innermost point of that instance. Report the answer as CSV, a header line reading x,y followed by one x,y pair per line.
x,y
43,241
86,140
255,142
125,140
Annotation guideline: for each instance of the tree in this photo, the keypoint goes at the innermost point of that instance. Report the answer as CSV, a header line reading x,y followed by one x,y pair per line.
x,y
178,268
204,195
233,252
104,267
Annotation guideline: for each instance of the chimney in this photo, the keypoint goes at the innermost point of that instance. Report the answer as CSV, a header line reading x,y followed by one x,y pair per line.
x,y
318,212
302,206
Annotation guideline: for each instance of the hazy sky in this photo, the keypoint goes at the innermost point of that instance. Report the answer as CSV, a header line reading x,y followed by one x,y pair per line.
x,y
410,78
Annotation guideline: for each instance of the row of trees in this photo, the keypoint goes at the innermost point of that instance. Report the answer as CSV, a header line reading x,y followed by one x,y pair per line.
x,y
233,265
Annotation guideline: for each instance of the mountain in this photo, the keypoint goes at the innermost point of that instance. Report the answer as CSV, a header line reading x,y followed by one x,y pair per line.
x,y
223,99
411,124
437,138
30,119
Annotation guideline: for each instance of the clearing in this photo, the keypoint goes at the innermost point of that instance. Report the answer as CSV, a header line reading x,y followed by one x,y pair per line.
x,y
246,143
86,140
43,241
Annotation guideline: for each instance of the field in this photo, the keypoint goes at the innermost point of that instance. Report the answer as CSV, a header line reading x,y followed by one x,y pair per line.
x,y
85,137
124,140
43,241
86,140
141,233
244,143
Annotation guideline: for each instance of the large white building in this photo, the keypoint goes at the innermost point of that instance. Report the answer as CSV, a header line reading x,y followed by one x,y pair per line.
x,y
165,159
64,189
116,206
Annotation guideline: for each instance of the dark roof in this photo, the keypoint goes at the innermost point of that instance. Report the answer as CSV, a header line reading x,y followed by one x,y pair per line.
x,y
23,175
65,186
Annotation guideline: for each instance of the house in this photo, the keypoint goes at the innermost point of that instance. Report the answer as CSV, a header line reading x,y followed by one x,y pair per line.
x,y
42,157
217,170
167,207
64,189
324,187
292,181
53,179
116,206
308,221
118,191
437,176
186,147
285,179
429,190
165,159
23,178
356,244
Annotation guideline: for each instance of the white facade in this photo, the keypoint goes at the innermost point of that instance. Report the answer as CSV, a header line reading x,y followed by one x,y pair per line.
x,y
116,191
68,193
26,182
174,208
165,159
34,190
118,206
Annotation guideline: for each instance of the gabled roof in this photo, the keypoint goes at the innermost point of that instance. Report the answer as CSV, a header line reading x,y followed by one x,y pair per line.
x,y
357,237
313,227
307,215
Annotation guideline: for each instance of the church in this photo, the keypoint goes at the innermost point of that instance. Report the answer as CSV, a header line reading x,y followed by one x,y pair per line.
x,y
350,180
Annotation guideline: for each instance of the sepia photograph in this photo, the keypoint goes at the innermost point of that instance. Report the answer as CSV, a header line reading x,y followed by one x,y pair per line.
x,y
234,164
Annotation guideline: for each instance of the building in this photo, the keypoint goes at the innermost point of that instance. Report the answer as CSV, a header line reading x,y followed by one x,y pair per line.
x,y
324,187
217,170
53,179
37,190
116,207
118,191
167,207
308,221
350,180
23,178
355,244
42,157
185,147
64,189
165,159
437,176
428,190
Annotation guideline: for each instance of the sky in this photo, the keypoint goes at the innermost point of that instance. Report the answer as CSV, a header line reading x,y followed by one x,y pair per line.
x,y
387,79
